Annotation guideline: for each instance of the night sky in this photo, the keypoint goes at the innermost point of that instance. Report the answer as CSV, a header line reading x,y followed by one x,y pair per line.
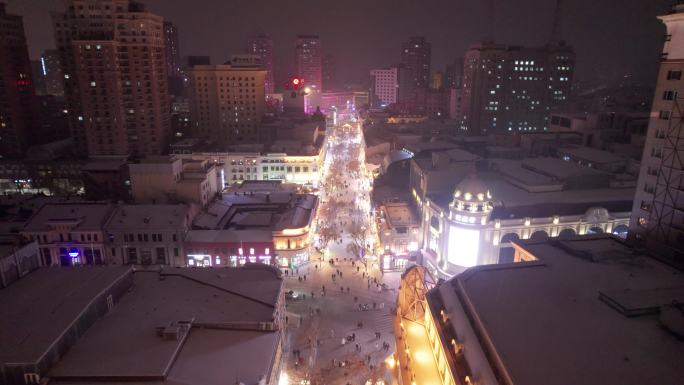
x,y
611,37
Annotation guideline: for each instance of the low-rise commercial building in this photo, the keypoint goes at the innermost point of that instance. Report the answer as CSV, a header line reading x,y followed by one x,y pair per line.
x,y
300,169
400,234
530,199
95,325
148,234
173,180
256,221
70,234
589,309
593,158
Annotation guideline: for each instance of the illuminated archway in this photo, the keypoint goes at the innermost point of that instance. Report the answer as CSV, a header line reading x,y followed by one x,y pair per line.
x,y
567,234
621,231
539,235
509,237
595,230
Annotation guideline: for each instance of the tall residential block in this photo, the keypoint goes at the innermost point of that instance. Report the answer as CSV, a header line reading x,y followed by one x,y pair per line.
x,y
513,88
385,85
115,76
17,94
415,59
329,72
658,212
173,62
52,70
262,45
227,103
453,76
308,61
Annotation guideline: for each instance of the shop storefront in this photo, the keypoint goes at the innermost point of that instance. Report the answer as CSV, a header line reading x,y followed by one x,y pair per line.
x,y
288,260
392,262
203,252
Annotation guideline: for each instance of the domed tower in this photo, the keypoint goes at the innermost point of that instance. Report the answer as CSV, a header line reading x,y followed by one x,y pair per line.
x,y
468,216
472,202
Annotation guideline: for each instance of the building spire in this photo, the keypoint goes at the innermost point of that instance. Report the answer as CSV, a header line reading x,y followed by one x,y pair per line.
x,y
556,26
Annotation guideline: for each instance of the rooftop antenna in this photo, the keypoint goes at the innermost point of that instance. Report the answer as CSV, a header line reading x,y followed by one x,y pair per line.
x,y
556,26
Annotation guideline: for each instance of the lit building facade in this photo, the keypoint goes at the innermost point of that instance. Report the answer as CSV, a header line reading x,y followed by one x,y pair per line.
x,y
415,60
17,94
236,167
658,212
173,62
227,103
400,235
114,64
256,221
511,88
52,70
303,170
385,85
474,229
70,234
262,45
482,327
342,100
228,248
309,61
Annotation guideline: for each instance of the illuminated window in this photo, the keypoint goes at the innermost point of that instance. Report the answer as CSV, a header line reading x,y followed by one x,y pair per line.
x,y
251,250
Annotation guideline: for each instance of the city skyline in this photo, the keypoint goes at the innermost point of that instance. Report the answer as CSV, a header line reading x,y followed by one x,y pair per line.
x,y
451,29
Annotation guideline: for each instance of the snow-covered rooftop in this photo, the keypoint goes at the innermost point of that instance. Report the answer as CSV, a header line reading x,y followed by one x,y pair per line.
x,y
592,155
83,216
227,304
148,217
401,214
39,307
569,317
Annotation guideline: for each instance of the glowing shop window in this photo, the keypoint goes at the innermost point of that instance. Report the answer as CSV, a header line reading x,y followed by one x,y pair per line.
x,y
251,250
268,251
218,261
464,245
240,251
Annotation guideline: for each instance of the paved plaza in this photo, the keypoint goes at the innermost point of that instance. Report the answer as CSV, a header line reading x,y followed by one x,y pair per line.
x,y
340,321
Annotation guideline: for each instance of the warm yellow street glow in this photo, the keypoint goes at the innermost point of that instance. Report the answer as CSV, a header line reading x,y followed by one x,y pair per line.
x,y
390,362
422,356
